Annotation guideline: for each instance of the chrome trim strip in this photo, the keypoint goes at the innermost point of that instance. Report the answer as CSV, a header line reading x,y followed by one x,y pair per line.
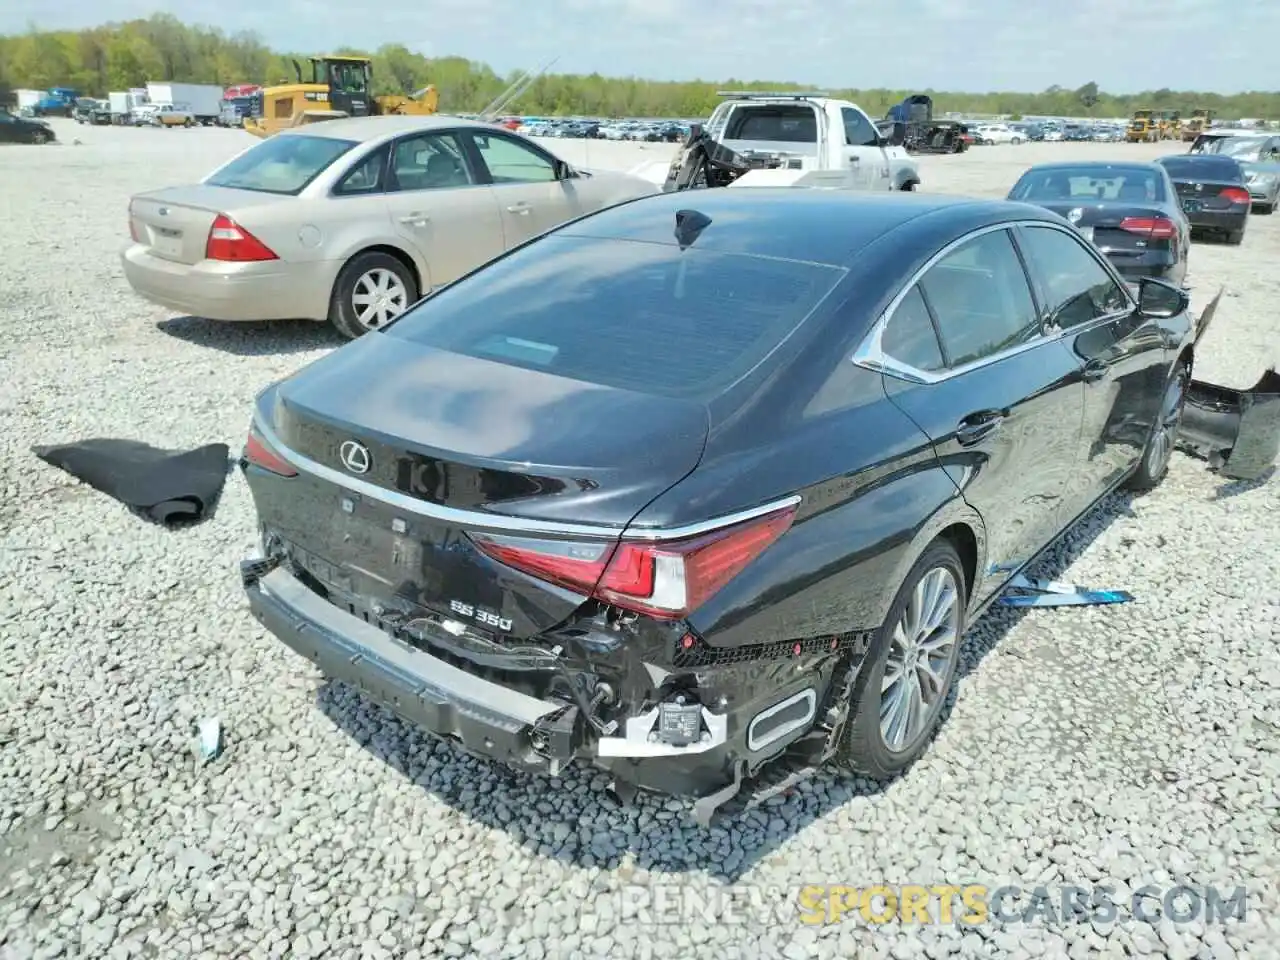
x,y
479,520
773,736
871,356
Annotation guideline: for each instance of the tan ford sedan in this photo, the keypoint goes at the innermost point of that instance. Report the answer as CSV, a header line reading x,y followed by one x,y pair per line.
x,y
352,221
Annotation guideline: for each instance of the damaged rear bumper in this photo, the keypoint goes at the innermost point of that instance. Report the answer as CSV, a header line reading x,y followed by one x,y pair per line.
x,y
676,746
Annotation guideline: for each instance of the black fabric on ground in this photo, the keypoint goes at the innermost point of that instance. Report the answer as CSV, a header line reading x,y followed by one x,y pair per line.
x,y
168,486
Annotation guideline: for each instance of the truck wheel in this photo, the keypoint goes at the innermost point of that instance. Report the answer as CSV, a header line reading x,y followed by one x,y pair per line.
x,y
372,290
907,675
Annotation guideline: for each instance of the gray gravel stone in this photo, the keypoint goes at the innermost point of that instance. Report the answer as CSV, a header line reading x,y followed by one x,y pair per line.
x,y
1124,746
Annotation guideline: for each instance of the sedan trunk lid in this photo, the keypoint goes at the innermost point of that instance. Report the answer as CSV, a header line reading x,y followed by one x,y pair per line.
x,y
404,451
174,223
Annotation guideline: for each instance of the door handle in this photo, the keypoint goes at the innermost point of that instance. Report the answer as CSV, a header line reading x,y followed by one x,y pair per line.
x,y
521,208
415,219
1093,371
978,426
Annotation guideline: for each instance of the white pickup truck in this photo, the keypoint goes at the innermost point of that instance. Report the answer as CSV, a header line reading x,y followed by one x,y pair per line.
x,y
787,139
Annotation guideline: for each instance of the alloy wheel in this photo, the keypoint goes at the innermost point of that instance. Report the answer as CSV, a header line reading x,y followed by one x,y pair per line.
x,y
1166,431
378,297
918,664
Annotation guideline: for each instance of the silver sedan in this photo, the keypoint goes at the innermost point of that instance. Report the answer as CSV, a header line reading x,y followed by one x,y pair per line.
x,y
354,220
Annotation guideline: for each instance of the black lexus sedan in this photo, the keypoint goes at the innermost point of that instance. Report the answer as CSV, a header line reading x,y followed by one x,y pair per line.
x,y
705,490
1212,191
1130,211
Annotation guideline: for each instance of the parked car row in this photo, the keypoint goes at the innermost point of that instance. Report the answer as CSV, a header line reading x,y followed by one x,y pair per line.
x,y
988,134
651,131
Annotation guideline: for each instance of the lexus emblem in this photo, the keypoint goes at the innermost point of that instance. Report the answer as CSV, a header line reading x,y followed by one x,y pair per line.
x,y
355,457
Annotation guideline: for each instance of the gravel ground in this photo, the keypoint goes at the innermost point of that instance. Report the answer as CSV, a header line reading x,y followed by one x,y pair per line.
x,y
1130,745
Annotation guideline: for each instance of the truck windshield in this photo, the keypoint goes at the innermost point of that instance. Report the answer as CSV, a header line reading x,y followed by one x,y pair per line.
x,y
283,164
780,122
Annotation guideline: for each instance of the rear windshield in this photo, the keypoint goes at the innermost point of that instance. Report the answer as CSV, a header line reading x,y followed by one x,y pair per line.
x,y
1133,184
638,316
1203,167
783,123
282,164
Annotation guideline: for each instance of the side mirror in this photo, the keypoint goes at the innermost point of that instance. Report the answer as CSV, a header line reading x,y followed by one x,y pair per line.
x,y
564,171
1159,300
695,132
898,135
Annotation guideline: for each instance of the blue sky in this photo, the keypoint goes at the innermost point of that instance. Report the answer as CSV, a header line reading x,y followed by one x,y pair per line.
x,y
1124,45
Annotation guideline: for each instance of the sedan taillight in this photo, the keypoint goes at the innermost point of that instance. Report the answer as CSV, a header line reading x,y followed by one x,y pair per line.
x,y
1157,228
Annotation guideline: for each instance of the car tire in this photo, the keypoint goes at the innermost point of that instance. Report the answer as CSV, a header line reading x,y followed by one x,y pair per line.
x,y
1264,209
39,137
188,123
1235,237
1158,450
364,275
1016,140
865,749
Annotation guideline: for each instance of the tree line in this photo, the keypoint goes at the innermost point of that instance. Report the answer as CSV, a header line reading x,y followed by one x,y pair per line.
x,y
117,56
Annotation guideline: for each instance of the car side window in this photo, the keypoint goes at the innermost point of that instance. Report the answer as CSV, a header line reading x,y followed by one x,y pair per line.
x,y
510,161
858,130
428,161
6,117
1076,288
909,337
981,299
365,177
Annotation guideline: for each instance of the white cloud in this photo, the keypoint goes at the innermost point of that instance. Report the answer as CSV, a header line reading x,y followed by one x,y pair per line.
x,y
914,44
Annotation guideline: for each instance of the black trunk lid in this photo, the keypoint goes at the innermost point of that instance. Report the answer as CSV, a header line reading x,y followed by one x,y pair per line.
x,y
403,450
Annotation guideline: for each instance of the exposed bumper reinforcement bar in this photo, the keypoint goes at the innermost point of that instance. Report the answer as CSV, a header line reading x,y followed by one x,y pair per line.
x,y
486,718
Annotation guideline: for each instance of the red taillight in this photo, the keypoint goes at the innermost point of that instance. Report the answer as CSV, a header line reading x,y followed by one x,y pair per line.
x,y
1236,195
666,579
1157,228
231,242
259,454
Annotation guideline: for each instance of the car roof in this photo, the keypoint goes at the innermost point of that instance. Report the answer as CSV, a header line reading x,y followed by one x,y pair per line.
x,y
1095,164
367,129
796,223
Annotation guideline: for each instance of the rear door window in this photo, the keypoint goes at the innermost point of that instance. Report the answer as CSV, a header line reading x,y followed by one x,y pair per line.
x,y
638,316
428,161
981,299
1076,288
282,164
909,337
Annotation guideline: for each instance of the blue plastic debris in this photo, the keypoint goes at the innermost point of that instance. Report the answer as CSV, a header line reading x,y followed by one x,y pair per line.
x,y
1050,593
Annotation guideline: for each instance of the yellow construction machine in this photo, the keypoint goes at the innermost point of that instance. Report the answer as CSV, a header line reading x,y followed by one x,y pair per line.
x,y
1198,124
339,87
1142,128
1169,124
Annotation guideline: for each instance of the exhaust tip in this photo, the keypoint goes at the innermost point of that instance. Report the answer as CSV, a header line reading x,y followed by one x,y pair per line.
x,y
785,717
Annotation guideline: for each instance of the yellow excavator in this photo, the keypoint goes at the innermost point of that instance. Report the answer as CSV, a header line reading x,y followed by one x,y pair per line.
x,y
339,87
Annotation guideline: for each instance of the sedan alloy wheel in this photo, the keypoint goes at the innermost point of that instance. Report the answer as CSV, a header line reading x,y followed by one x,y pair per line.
x,y
918,667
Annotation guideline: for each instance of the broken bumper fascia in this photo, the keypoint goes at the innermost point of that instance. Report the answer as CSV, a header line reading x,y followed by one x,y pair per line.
x,y
1236,431
485,718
